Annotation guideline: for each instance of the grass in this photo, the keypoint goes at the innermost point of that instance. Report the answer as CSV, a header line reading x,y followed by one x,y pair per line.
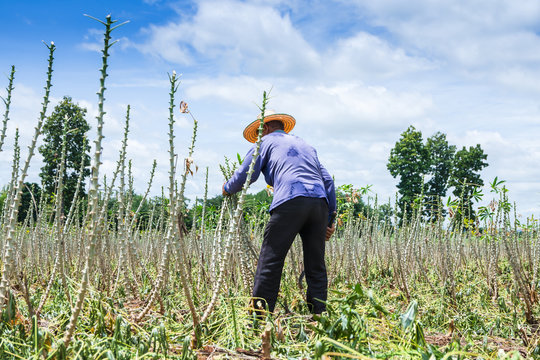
x,y
362,320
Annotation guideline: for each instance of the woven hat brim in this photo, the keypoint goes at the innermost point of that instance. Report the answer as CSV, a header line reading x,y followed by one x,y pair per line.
x,y
250,132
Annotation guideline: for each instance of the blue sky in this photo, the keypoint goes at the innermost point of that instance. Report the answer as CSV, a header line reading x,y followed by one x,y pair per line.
x,y
355,74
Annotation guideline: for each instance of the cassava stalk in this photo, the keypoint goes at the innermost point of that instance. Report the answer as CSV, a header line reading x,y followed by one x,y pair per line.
x,y
14,176
93,196
233,227
121,218
203,213
185,274
71,212
59,257
8,263
172,202
7,103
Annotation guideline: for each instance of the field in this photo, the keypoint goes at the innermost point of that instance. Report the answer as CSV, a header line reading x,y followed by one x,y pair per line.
x,y
98,282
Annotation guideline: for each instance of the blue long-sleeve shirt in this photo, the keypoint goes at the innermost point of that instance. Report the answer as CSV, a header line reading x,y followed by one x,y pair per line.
x,y
291,166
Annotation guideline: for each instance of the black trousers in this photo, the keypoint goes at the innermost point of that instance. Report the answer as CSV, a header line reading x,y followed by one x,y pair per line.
x,y
309,218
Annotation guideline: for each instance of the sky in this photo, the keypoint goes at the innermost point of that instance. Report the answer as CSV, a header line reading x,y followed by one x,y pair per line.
x,y
355,74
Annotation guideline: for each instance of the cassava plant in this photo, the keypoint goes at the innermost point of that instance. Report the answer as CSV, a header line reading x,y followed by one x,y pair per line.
x,y
165,254
93,196
8,259
234,225
7,103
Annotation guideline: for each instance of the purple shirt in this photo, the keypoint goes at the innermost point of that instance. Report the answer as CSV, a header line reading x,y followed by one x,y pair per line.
x,y
291,166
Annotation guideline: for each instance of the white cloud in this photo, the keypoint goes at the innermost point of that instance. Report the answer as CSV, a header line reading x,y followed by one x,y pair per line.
x,y
365,56
232,89
352,110
95,47
519,79
509,159
248,38
242,37
471,36
93,40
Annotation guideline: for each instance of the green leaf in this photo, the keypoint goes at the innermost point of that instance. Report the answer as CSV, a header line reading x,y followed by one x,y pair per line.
x,y
358,289
408,318
375,304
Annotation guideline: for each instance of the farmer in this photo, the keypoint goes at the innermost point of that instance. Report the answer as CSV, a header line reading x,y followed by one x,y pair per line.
x,y
304,200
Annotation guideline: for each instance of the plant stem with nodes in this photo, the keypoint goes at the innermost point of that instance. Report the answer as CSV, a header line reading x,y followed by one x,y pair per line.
x,y
172,204
204,203
200,242
71,212
93,195
7,102
60,248
235,221
75,202
218,240
121,217
185,274
8,260
130,226
14,176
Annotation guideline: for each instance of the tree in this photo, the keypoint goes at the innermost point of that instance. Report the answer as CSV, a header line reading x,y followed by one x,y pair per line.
x,y
465,178
409,159
66,113
29,199
441,156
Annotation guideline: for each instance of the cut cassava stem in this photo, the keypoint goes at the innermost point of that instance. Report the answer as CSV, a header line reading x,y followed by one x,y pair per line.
x,y
233,227
60,248
7,103
121,215
8,262
163,266
93,196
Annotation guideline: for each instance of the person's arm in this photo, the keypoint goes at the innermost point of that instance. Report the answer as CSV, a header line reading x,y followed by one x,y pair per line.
x,y
330,191
330,231
238,179
331,196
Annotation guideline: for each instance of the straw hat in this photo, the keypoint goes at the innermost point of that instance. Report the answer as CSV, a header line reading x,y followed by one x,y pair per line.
x,y
250,132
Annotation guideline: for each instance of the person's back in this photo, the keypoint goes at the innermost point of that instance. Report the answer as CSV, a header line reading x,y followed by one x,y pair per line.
x,y
291,166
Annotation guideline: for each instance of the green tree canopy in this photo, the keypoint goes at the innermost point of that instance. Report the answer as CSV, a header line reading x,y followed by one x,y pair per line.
x,y
465,178
441,156
72,115
409,160
29,199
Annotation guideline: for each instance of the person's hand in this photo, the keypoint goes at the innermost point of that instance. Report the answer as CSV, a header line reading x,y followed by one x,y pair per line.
x,y
330,231
225,193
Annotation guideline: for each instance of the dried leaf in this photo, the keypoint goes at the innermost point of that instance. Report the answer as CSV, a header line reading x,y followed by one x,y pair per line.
x,y
183,107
